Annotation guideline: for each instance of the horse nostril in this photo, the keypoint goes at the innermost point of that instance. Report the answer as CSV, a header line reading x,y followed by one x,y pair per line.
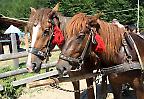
x,y
34,65
29,69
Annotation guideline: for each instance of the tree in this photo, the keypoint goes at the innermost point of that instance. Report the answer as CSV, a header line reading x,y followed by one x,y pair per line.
x,y
110,8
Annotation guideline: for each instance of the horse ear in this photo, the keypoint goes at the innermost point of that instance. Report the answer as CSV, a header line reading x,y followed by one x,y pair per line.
x,y
92,20
56,7
33,10
99,14
54,10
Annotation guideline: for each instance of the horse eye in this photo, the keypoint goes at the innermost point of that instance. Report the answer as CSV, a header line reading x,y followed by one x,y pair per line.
x,y
81,36
46,32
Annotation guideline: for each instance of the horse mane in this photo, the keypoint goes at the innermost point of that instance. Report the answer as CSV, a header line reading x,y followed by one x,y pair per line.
x,y
112,36
76,24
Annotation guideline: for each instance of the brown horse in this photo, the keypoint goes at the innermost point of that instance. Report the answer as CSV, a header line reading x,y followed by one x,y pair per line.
x,y
41,26
77,53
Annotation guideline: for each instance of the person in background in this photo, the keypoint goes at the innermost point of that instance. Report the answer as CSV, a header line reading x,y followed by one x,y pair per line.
x,y
131,28
116,22
18,41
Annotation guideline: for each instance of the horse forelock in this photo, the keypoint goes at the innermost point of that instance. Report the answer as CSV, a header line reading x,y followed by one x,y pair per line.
x,y
112,36
76,24
40,16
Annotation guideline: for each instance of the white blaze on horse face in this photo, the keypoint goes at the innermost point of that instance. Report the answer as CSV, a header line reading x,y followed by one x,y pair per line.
x,y
34,37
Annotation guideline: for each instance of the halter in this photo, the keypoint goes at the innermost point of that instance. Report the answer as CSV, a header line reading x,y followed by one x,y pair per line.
x,y
44,55
80,60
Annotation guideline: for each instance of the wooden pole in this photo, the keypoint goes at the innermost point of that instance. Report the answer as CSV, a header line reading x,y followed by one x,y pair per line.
x,y
59,80
34,78
24,70
1,48
138,16
14,49
5,57
26,39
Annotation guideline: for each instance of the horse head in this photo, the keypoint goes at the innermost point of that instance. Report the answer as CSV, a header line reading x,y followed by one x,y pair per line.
x,y
77,48
41,27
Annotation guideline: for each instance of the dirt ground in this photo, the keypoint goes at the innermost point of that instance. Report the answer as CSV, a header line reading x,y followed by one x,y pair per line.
x,y
46,92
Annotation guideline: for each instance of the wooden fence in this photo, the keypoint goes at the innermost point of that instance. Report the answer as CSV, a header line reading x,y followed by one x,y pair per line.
x,y
4,57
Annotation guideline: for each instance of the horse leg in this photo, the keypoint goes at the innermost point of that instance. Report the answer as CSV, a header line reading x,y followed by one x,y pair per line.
x,y
91,94
103,90
116,87
138,87
76,86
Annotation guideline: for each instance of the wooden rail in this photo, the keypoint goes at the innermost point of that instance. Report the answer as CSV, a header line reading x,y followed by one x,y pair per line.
x,y
5,57
34,78
24,70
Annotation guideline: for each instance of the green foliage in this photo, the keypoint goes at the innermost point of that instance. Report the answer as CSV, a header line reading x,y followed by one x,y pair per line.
x,y
9,91
21,8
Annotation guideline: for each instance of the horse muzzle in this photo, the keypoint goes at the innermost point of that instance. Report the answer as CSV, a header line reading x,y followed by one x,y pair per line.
x,y
63,67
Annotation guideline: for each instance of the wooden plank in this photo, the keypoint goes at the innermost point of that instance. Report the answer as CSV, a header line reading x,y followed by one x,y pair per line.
x,y
34,78
59,80
3,41
1,87
24,70
5,57
14,49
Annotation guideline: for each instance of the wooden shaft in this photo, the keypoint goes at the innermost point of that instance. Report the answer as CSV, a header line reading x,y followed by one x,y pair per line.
x,y
59,80
41,83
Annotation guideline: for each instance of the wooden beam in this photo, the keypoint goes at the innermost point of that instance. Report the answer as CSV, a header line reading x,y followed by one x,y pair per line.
x,y
24,70
14,21
4,57
34,78
60,80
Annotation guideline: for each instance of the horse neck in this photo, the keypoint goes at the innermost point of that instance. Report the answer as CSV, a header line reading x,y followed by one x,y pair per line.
x,y
63,21
112,37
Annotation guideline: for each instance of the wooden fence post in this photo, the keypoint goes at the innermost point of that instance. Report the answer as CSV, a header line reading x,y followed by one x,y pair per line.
x,y
14,49
1,48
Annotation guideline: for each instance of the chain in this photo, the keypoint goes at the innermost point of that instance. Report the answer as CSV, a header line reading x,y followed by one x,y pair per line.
x,y
55,85
67,90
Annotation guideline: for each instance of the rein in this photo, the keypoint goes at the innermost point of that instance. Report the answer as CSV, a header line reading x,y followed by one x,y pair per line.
x,y
79,60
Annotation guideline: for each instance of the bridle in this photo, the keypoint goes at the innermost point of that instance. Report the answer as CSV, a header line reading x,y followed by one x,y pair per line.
x,y
81,58
44,55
